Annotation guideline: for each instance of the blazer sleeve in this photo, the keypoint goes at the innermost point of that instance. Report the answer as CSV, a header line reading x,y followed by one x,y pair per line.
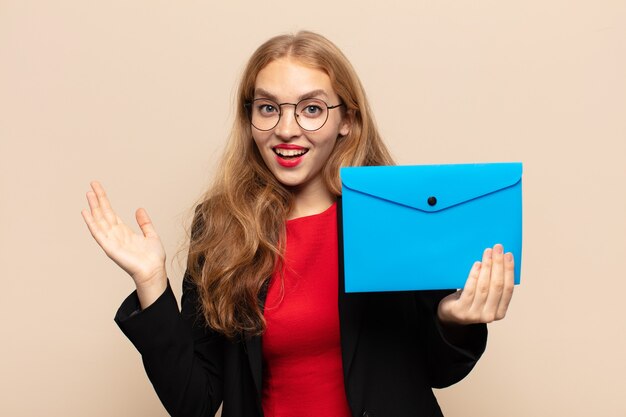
x,y
182,357
448,361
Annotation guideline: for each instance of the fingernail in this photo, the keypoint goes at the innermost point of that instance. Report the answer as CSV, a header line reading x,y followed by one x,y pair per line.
x,y
477,265
487,254
509,257
498,249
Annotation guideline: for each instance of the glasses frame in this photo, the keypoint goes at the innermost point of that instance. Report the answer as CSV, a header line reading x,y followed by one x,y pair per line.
x,y
279,106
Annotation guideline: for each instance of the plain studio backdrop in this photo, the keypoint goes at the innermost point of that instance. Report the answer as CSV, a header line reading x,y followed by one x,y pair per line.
x,y
139,95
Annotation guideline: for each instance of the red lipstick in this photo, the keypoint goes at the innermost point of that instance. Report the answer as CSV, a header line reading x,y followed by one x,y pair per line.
x,y
289,163
289,155
290,146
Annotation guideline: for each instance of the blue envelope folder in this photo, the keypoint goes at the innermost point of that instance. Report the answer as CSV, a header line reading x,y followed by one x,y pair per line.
x,y
422,227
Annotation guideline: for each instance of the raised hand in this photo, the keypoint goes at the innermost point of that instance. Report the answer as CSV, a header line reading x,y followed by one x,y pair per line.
x,y
487,292
141,255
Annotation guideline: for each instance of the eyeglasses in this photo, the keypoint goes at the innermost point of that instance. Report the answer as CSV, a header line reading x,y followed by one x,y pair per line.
x,y
310,113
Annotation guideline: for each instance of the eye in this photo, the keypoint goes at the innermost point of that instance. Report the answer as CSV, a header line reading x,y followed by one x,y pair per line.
x,y
265,108
311,108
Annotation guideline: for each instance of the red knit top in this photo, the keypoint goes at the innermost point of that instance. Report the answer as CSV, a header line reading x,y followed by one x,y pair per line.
x,y
303,374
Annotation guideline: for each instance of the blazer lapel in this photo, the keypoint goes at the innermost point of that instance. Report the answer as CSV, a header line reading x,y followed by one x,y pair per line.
x,y
253,348
349,306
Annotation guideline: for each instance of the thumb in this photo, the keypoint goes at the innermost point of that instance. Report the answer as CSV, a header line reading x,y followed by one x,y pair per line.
x,y
144,222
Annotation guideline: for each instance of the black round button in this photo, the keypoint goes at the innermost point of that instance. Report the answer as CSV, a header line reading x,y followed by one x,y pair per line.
x,y
432,200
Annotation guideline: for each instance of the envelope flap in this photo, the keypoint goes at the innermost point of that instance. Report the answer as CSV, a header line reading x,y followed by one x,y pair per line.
x,y
431,187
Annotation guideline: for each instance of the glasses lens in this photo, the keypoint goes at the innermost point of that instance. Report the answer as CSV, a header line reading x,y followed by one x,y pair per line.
x,y
264,114
312,114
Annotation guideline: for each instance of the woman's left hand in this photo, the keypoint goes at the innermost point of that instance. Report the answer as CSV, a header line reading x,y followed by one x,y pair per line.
x,y
487,292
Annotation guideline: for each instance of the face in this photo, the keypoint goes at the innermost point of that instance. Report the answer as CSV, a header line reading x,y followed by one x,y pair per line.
x,y
296,156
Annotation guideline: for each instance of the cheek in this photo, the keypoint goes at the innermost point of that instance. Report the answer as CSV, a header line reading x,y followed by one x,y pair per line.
x,y
259,140
326,147
261,148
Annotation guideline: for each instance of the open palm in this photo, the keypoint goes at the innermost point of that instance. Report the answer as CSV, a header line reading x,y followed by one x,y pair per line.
x,y
487,292
141,255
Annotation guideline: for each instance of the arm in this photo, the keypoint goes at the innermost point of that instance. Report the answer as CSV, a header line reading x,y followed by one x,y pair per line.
x,y
451,353
457,332
182,357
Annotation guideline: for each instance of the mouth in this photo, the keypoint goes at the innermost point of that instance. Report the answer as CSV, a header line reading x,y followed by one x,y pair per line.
x,y
289,152
288,155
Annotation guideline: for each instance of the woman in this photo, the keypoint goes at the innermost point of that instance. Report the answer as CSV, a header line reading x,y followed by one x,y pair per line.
x,y
265,327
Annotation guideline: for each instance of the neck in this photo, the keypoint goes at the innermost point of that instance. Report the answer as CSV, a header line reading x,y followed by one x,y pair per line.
x,y
310,200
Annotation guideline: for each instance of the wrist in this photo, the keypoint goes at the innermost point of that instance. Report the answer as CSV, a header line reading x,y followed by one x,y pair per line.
x,y
149,290
445,318
453,331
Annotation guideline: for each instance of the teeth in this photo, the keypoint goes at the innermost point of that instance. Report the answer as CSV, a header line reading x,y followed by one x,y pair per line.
x,y
290,152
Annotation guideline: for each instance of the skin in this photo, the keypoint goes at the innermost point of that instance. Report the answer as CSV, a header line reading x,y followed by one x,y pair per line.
x,y
487,292
287,81
142,255
489,287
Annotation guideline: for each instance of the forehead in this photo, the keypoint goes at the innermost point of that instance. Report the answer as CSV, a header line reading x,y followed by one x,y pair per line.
x,y
290,79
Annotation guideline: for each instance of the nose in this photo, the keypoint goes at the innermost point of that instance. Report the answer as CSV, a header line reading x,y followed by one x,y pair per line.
x,y
287,127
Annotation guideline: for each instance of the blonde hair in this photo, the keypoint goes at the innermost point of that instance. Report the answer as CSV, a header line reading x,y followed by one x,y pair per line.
x,y
236,233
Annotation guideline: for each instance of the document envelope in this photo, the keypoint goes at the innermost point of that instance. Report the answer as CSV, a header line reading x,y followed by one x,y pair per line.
x,y
422,227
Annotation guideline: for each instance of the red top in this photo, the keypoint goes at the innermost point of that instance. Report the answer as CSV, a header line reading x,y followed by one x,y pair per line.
x,y
303,374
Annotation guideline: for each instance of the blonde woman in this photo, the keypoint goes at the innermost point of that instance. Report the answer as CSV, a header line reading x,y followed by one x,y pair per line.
x,y
266,328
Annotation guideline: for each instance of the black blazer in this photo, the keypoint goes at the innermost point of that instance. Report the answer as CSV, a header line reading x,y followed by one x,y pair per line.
x,y
393,351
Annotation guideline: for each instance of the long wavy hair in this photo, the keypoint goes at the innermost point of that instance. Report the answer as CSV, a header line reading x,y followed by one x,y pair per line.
x,y
239,222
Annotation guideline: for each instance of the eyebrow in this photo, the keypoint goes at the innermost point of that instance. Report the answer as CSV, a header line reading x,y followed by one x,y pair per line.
x,y
311,94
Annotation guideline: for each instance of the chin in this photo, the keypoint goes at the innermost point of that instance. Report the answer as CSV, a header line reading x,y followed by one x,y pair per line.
x,y
290,182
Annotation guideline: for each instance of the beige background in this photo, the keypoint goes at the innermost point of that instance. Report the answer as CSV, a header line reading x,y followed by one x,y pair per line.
x,y
138,94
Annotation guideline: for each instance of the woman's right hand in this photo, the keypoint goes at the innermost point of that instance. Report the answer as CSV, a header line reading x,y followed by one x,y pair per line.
x,y
141,255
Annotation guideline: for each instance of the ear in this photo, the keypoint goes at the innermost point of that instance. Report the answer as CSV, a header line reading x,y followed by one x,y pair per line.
x,y
346,123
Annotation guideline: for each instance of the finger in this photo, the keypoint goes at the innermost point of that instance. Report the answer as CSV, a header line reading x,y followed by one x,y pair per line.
x,y
103,202
144,222
92,225
496,284
96,212
509,286
482,286
94,205
469,290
